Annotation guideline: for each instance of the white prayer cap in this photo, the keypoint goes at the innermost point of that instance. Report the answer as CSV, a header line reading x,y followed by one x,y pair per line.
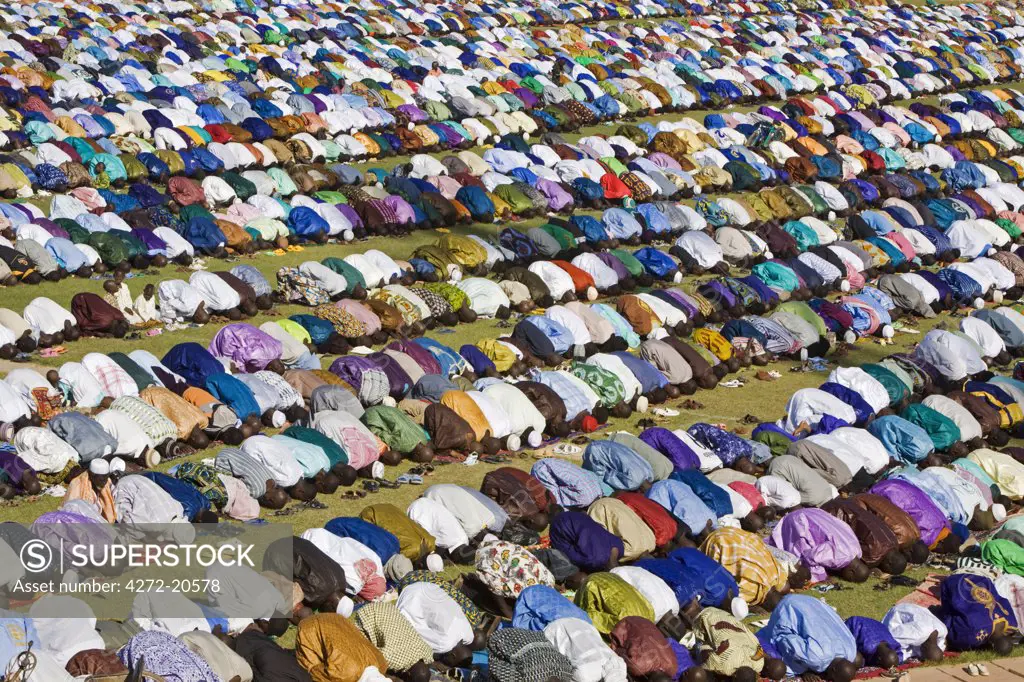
x,y
844,286
99,466
998,512
345,607
888,332
997,296
739,608
277,419
117,464
435,563
513,443
979,303
591,294
534,439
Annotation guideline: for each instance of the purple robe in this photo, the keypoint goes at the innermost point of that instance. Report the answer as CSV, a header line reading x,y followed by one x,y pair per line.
x,y
683,301
930,519
248,347
13,467
399,380
420,355
350,368
584,541
558,199
672,446
53,228
823,542
351,214
615,264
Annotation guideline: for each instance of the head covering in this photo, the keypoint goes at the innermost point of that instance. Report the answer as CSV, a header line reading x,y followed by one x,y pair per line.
x,y
515,654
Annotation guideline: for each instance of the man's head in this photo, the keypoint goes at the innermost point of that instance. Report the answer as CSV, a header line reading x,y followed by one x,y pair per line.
x,y
840,670
894,563
855,572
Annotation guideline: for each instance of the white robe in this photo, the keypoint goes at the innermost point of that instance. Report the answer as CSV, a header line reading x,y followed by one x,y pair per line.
x,y
438,618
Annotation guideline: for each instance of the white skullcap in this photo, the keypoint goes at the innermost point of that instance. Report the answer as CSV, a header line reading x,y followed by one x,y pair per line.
x,y
677,278
832,215
998,512
591,294
697,189
513,442
888,332
345,607
411,125
377,469
348,235
997,296
117,464
99,466
739,608
526,136
388,402
277,419
849,336
534,439
803,354
844,286
435,563
979,303
642,404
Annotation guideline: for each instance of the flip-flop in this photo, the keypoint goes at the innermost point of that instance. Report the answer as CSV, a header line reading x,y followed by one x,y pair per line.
x,y
666,412
410,479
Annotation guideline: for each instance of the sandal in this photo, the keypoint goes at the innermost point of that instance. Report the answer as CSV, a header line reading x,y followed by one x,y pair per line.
x,y
666,412
371,486
567,450
353,495
385,483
